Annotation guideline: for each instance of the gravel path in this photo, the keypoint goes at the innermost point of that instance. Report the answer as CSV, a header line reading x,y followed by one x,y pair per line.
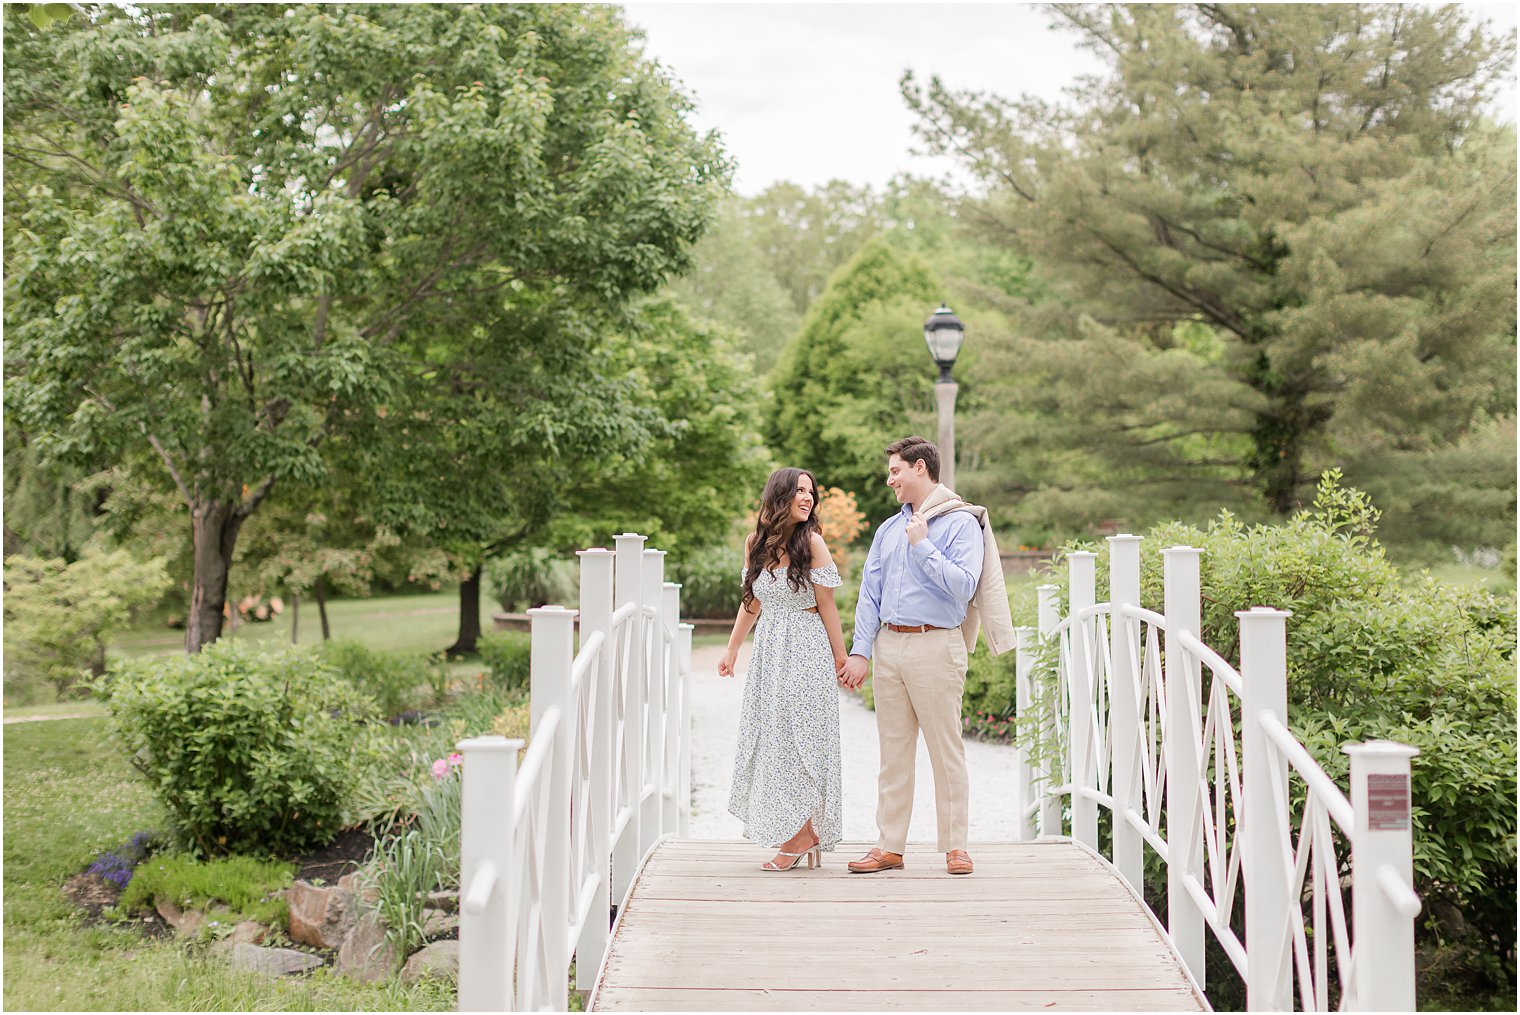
x,y
714,729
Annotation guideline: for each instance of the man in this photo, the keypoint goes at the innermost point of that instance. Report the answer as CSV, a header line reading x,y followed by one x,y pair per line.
x,y
926,564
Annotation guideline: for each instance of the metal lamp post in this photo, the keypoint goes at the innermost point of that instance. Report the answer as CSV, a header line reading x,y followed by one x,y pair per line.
x,y
944,333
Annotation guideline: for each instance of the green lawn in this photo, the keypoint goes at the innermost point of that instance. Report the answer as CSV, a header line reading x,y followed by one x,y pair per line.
x,y
68,795
425,622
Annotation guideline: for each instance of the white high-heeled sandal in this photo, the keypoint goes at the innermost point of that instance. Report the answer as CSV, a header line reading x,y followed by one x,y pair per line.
x,y
814,859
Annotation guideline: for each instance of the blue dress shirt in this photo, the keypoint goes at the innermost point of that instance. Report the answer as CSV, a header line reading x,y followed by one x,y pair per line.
x,y
927,583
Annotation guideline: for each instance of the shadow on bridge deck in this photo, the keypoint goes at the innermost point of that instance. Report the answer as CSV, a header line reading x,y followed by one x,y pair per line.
x,y
1041,926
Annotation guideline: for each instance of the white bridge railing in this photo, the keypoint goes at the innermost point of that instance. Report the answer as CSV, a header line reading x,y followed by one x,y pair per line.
x,y
1194,761
549,847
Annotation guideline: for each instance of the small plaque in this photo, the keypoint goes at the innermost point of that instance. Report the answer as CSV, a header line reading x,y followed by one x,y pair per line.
x,y
1388,803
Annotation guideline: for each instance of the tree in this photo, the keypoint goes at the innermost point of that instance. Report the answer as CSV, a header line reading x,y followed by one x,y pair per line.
x,y
1314,186
236,230
857,377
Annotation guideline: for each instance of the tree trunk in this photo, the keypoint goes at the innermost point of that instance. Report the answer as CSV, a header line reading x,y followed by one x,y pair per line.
x,y
321,592
295,618
214,529
469,616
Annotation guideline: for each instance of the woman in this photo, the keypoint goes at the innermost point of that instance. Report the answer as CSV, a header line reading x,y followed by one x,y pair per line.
x,y
786,770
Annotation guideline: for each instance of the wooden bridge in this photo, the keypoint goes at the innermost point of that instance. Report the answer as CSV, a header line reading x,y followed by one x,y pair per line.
x,y
1191,759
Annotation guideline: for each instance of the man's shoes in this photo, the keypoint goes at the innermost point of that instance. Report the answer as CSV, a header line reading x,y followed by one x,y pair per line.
x,y
957,861
875,861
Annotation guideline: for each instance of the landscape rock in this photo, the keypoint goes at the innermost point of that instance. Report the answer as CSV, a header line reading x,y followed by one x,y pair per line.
x,y
437,924
351,882
446,901
187,922
441,958
272,961
321,917
249,932
367,954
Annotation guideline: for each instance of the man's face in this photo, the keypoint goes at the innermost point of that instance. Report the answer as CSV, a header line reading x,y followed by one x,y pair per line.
x,y
907,479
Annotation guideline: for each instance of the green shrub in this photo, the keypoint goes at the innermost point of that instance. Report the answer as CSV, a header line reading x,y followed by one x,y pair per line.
x,y
249,888
439,816
248,751
59,615
392,679
403,869
709,582
506,656
532,577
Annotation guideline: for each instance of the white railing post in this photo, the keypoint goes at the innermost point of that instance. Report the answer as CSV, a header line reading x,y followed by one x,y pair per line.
x,y
1266,864
653,660
683,816
553,653
596,617
628,584
1124,706
1080,594
1183,747
1024,773
486,841
1383,902
675,708
1049,765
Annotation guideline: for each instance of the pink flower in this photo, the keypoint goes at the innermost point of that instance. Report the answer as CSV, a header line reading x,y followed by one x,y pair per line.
x,y
455,760
440,768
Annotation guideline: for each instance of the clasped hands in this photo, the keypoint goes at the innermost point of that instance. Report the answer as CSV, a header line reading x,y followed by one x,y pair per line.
x,y
852,671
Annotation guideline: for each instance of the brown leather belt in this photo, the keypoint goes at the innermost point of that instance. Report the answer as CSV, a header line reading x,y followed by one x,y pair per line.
x,y
915,629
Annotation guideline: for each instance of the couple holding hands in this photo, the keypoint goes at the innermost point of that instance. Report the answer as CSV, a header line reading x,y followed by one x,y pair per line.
x,y
931,580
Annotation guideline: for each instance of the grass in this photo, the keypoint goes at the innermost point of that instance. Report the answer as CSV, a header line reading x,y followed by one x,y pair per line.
x,y
250,889
69,794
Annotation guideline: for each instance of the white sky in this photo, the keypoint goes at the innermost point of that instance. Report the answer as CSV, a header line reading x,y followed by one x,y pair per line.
x,y
807,92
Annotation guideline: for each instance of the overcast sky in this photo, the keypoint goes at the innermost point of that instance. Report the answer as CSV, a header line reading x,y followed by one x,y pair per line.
x,y
808,92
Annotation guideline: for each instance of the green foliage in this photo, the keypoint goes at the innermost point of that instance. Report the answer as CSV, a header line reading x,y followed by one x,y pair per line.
x,y
532,576
59,615
1372,656
247,751
402,871
439,820
709,581
323,232
849,383
252,889
507,656
390,679
1317,187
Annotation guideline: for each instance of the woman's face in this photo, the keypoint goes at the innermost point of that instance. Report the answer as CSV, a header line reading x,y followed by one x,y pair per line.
x,y
803,500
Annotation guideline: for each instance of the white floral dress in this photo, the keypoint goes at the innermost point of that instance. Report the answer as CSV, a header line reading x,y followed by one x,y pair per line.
x,y
786,769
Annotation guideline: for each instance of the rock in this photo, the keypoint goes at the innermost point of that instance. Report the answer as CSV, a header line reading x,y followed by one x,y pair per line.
x,y
367,954
321,916
171,913
186,922
272,961
438,924
249,932
446,901
441,958
352,883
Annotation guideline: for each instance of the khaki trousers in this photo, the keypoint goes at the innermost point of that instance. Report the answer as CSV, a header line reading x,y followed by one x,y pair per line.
x,y
918,680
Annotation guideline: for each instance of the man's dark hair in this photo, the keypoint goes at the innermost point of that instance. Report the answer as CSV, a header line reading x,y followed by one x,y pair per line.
x,y
917,449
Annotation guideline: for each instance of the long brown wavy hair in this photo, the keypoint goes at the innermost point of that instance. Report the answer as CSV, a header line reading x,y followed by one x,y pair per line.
x,y
774,532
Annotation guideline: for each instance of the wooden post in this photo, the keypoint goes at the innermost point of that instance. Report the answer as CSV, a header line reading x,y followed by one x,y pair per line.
x,y
596,617
653,660
1082,593
1124,707
553,652
1383,902
1265,864
487,839
1183,748
683,824
675,708
628,584
1049,765
1025,788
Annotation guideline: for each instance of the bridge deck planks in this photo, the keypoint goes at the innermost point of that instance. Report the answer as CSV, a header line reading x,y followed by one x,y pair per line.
x,y
1039,927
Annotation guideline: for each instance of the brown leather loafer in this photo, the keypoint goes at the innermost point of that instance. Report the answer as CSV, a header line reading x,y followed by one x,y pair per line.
x,y
876,860
957,861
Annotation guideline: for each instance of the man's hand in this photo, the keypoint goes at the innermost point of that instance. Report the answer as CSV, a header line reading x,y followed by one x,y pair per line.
x,y
856,669
918,528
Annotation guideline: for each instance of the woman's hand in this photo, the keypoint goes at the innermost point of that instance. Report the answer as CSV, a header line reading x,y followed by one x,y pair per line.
x,y
726,664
